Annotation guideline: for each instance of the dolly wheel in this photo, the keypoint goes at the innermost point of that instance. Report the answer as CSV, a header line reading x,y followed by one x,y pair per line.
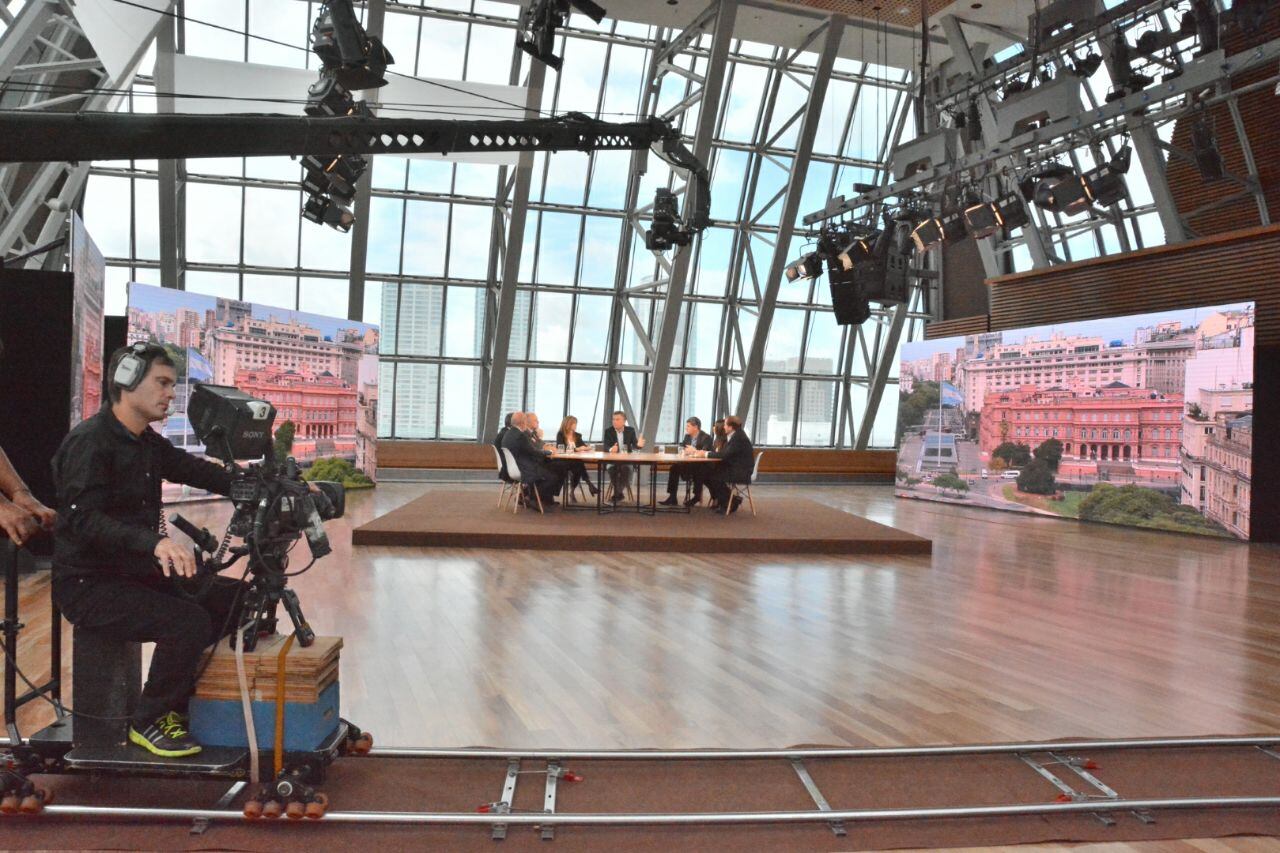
x,y
253,809
272,809
316,808
9,804
363,744
295,810
34,803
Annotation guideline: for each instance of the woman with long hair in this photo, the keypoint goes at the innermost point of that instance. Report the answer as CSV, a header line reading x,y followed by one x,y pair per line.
x,y
720,437
571,439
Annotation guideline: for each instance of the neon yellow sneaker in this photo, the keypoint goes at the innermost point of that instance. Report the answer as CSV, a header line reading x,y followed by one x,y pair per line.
x,y
165,737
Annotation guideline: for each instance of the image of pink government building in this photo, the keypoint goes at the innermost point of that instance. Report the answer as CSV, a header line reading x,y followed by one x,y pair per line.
x,y
320,373
1160,402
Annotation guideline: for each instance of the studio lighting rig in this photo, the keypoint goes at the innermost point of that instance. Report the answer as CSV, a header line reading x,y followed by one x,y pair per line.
x,y
350,59
539,21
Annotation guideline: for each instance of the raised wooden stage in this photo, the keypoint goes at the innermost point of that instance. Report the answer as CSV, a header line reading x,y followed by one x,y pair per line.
x,y
469,518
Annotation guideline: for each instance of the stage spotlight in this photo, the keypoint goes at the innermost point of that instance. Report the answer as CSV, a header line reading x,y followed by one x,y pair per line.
x,y
326,211
1204,148
982,219
328,97
1057,188
356,59
928,233
1086,65
1105,184
335,176
857,251
536,28
810,266
1013,214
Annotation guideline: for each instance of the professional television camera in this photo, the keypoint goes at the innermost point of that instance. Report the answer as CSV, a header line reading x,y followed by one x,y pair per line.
x,y
274,507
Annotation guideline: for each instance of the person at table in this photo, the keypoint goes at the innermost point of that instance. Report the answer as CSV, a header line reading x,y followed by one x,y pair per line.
x,y
694,439
620,438
531,460
497,443
717,443
569,438
532,427
737,459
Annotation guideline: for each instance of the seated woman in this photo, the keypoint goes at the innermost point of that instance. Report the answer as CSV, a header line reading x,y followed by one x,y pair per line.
x,y
721,436
572,441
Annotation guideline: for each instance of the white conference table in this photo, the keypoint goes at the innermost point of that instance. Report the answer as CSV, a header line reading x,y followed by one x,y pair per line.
x,y
654,461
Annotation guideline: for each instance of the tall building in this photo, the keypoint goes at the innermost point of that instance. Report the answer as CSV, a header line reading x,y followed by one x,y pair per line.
x,y
1203,426
414,324
1059,362
776,403
1229,458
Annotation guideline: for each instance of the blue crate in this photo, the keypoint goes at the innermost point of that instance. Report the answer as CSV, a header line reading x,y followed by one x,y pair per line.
x,y
220,722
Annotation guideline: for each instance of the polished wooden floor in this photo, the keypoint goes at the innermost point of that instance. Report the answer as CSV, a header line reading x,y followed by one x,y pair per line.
x,y
1016,628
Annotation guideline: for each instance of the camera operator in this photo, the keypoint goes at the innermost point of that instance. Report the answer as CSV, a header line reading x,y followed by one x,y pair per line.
x,y
21,515
115,571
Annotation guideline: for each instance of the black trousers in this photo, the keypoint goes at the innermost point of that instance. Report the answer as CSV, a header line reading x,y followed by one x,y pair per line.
x,y
154,612
691,471
620,477
719,489
546,479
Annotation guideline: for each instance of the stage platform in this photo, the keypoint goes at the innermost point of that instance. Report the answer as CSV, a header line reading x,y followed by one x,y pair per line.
x,y
458,518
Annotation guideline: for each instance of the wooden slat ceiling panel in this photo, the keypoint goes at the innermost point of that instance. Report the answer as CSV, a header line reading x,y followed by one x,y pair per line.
x,y
1261,118
957,326
1231,268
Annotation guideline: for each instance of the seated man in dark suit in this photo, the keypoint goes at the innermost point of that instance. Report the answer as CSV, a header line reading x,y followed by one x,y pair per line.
x,y
694,439
531,460
737,460
497,442
621,438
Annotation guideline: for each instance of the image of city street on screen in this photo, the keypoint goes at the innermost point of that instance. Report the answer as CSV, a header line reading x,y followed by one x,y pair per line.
x,y
1144,420
320,373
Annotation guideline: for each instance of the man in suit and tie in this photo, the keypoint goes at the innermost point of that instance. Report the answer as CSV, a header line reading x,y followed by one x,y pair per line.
x,y
694,439
621,438
737,461
531,459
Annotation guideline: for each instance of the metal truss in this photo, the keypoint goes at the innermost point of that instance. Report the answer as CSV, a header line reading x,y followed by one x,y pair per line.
x,y
1158,103
505,250
631,304
49,66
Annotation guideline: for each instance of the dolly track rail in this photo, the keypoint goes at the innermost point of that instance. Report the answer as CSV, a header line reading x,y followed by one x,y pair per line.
x,y
828,752
689,819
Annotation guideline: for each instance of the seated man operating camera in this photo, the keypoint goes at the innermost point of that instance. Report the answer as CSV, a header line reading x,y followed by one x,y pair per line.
x,y
115,571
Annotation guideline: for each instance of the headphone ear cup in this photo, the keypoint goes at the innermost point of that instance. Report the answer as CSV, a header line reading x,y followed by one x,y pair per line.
x,y
128,372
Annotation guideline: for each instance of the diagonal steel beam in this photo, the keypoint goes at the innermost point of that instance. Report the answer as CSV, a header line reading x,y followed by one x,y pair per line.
x,y
965,61
1146,144
500,339
886,352
708,112
39,194
790,209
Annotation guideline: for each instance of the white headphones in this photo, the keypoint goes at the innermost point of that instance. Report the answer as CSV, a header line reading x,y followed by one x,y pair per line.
x,y
132,367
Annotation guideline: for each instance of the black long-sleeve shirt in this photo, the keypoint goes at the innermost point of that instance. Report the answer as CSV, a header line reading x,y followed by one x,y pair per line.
x,y
108,483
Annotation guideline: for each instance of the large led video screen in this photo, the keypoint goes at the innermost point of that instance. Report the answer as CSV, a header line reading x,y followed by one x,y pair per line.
x,y
320,373
1144,420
